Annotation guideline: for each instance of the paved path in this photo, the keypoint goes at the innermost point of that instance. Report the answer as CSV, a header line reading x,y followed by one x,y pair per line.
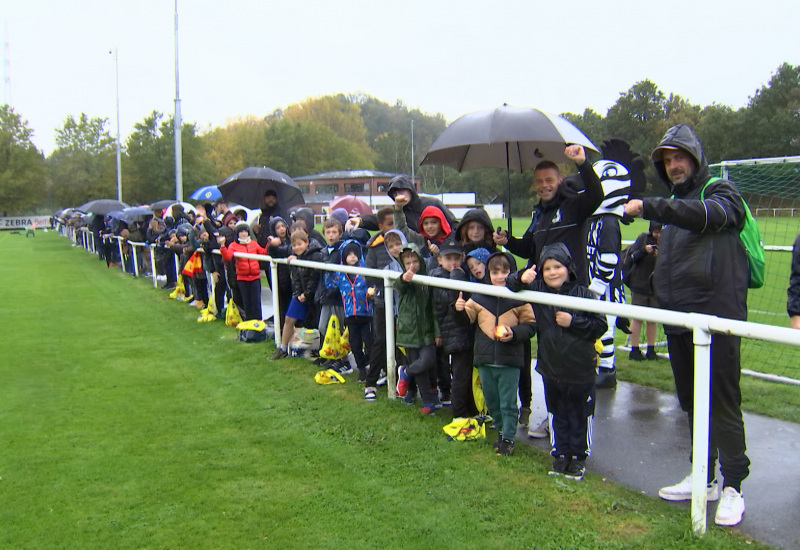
x,y
641,440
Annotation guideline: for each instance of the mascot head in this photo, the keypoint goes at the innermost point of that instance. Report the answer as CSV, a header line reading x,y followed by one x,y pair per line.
x,y
621,172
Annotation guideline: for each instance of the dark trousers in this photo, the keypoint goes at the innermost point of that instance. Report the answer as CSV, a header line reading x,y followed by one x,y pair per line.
x,y
461,391
377,353
726,428
422,362
251,296
443,378
236,294
360,328
571,411
525,383
220,289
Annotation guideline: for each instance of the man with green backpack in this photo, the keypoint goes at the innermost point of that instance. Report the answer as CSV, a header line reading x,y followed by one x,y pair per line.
x,y
703,267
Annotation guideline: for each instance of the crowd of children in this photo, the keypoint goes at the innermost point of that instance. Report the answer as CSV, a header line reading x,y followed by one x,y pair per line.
x,y
442,334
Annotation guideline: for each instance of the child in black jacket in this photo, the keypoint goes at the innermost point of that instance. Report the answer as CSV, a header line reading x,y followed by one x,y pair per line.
x,y
566,358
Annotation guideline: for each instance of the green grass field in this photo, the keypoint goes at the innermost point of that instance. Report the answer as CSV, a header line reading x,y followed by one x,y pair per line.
x,y
126,424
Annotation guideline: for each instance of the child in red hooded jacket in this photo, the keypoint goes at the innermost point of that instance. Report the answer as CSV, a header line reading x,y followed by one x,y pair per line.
x,y
248,272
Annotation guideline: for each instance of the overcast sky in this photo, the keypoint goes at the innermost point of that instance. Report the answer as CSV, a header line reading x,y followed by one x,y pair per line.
x,y
251,57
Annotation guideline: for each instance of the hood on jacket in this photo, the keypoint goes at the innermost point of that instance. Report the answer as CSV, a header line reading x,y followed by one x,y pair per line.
x,y
435,212
512,263
560,253
348,246
681,136
273,222
398,233
474,215
403,182
313,246
415,249
306,214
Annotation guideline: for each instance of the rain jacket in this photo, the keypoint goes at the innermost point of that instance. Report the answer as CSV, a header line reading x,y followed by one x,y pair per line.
x,y
378,257
564,354
413,210
482,217
702,266
416,324
563,219
417,237
305,279
793,301
455,336
283,250
307,215
489,312
246,269
644,263
353,288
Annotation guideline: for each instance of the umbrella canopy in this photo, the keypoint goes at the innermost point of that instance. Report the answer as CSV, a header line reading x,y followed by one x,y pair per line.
x,y
514,138
206,193
102,206
480,139
247,187
162,204
352,204
136,214
116,214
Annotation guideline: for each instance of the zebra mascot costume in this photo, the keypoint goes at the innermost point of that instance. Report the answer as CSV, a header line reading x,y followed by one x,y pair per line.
x,y
621,172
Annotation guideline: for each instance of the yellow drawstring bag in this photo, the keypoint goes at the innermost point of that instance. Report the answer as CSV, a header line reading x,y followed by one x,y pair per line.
x,y
477,392
180,289
332,347
328,376
465,429
232,316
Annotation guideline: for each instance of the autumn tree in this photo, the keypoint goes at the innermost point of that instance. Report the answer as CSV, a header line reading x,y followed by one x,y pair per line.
x,y
83,165
22,173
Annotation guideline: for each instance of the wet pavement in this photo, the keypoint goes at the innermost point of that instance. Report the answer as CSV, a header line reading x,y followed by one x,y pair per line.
x,y
641,440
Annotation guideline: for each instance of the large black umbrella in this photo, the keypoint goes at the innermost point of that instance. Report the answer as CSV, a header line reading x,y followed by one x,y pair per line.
x,y
102,206
247,187
162,204
136,214
514,138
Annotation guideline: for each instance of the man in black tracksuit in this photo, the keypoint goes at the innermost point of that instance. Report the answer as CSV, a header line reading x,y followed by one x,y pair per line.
x,y
793,292
561,215
702,267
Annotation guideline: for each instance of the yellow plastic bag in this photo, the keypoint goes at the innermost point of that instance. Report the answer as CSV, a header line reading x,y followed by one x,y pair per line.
x,y
477,392
328,376
232,316
180,290
332,347
465,429
253,324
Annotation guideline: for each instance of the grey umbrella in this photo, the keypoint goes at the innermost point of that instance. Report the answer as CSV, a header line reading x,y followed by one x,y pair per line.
x,y
514,138
247,187
102,206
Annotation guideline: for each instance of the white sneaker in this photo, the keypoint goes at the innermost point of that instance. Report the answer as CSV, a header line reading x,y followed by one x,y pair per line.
x,y
683,490
730,508
542,430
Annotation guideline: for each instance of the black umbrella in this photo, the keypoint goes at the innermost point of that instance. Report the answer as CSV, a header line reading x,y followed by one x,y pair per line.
x,y
162,204
247,187
102,206
514,138
136,214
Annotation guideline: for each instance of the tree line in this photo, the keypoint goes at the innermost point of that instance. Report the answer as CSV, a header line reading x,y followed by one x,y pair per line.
x,y
342,132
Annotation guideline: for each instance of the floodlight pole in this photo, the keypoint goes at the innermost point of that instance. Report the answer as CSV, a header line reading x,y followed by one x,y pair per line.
x,y
177,122
119,146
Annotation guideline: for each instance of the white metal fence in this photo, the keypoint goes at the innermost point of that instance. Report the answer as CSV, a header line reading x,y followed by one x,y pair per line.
x,y
702,326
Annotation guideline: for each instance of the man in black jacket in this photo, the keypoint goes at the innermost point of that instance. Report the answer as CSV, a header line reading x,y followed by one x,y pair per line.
x,y
793,292
702,267
561,215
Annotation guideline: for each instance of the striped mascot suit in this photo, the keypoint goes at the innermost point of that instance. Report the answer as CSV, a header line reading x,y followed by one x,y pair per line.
x,y
621,173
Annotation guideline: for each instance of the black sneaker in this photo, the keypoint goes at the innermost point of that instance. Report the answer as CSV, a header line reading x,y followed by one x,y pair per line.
x,y
524,417
278,354
362,375
636,355
496,444
560,464
651,355
505,448
445,399
576,469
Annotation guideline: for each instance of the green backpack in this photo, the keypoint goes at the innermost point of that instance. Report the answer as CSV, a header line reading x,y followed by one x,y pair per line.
x,y
753,245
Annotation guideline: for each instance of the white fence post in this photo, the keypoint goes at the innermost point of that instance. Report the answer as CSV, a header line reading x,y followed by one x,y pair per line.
x,y
700,428
276,303
153,270
388,302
